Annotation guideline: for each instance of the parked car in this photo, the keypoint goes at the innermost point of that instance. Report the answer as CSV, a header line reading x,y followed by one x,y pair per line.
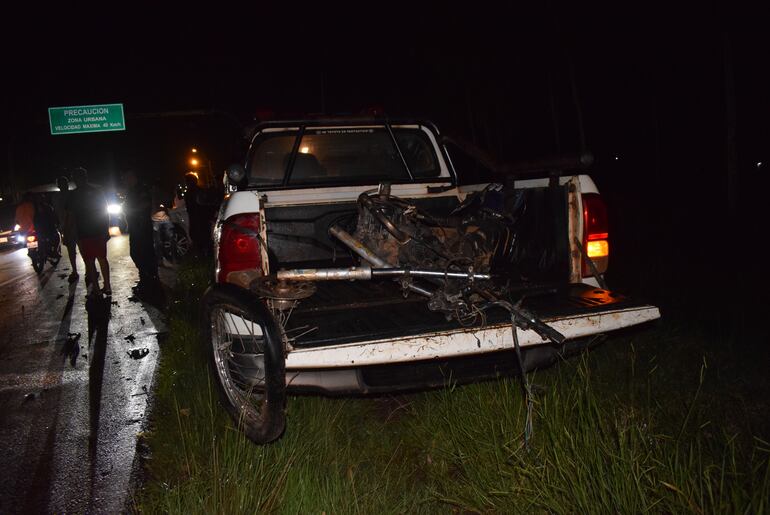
x,y
10,237
353,257
115,210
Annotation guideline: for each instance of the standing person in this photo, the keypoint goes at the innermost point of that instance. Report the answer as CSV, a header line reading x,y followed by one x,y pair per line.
x,y
25,214
46,223
67,225
162,227
88,207
138,209
197,214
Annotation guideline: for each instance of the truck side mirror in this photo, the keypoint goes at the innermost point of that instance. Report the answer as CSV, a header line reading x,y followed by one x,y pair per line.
x,y
236,173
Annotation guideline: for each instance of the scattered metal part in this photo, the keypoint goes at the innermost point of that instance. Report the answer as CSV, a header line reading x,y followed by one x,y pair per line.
x,y
366,274
130,338
138,353
283,294
357,247
360,249
300,335
435,274
326,274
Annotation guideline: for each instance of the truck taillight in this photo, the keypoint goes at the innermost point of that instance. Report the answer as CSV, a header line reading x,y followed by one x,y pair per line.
x,y
239,245
595,233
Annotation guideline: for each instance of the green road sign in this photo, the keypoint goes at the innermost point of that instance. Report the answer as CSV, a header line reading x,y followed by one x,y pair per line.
x,y
79,119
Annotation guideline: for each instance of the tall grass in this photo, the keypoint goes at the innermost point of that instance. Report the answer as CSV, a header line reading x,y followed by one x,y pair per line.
x,y
609,436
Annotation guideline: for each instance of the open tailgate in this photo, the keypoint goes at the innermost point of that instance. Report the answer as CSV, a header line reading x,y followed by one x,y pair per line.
x,y
385,331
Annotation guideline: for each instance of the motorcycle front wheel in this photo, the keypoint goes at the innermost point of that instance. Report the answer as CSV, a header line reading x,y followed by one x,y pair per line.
x,y
55,255
180,244
247,361
38,260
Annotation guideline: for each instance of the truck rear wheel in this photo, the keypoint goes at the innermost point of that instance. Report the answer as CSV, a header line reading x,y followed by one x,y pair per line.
x,y
246,356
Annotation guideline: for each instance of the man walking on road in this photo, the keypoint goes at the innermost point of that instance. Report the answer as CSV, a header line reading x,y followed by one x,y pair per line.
x,y
67,225
88,207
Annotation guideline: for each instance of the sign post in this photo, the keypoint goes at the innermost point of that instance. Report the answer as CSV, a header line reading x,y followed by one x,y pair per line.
x,y
81,119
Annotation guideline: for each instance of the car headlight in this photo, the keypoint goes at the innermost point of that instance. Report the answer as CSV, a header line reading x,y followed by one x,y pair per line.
x,y
114,209
20,238
16,227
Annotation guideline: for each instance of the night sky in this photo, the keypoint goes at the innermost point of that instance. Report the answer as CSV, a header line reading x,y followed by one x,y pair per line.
x,y
651,86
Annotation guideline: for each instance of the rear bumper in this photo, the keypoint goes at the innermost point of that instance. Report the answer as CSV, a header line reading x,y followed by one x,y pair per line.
x,y
457,343
421,375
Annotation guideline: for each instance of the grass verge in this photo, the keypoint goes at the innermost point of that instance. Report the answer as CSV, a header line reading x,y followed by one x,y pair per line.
x,y
650,421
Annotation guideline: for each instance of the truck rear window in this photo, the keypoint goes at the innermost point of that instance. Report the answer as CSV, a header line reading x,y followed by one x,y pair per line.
x,y
342,155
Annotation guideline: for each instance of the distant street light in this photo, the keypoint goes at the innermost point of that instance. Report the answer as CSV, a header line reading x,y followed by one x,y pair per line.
x,y
201,166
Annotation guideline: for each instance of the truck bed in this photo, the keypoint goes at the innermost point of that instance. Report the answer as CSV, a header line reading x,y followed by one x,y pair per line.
x,y
349,312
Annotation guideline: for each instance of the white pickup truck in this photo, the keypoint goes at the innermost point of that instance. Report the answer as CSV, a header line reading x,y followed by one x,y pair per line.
x,y
352,257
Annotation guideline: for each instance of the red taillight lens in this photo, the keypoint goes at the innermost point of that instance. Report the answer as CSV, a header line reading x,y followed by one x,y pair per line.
x,y
31,237
239,245
595,233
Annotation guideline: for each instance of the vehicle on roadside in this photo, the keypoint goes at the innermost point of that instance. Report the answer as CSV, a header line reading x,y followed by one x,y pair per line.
x,y
115,210
179,243
10,237
352,257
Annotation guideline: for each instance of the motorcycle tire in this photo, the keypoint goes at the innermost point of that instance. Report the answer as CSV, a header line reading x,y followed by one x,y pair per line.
x,y
248,365
55,256
180,244
38,262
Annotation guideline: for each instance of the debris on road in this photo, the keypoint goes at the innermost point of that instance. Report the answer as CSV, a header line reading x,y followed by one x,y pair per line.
x,y
72,347
139,353
130,338
141,319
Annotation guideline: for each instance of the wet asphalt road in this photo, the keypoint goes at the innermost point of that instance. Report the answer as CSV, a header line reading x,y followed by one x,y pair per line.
x,y
71,408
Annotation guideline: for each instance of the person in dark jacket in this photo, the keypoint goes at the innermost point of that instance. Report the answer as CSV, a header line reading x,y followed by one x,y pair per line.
x,y
67,225
199,215
138,209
